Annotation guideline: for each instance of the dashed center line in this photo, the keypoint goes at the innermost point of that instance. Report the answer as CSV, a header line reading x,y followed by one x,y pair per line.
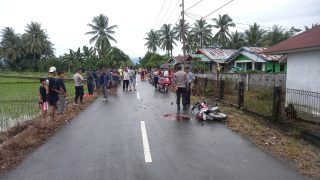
x,y
146,149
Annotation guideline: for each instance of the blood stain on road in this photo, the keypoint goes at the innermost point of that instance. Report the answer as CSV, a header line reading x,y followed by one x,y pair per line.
x,y
175,117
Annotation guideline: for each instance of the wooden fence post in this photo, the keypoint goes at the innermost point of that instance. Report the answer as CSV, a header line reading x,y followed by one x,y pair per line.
x,y
241,95
276,103
221,89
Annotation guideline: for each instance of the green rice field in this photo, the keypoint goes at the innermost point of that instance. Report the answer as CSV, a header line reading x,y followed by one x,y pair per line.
x,y
19,100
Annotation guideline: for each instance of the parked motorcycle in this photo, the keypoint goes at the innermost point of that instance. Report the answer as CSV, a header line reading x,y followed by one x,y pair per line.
x,y
209,113
163,84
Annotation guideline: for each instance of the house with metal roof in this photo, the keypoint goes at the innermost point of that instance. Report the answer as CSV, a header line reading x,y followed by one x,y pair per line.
x,y
215,58
303,72
252,58
179,60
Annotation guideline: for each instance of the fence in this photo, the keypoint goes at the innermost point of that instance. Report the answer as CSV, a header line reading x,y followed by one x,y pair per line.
x,y
270,100
302,105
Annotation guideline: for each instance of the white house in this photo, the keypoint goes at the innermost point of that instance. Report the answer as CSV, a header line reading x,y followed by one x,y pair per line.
x,y
303,70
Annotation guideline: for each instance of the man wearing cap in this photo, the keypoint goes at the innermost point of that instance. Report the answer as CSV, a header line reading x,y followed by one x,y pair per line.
x,y
53,95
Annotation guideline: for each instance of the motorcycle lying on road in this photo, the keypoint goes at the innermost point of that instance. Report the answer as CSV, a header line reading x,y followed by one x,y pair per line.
x,y
163,84
208,113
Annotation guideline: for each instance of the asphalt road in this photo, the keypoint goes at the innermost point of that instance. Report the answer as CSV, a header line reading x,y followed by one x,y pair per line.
x,y
108,142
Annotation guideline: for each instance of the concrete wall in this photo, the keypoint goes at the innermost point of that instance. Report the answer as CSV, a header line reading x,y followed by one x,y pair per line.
x,y
303,71
303,76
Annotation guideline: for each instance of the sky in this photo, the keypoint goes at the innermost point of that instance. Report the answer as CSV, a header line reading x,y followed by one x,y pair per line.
x,y
66,21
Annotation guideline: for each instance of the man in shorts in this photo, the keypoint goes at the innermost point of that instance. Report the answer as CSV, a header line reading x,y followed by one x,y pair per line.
x,y
53,95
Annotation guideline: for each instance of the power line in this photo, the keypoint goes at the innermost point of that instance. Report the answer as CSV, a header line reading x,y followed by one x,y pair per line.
x,y
177,5
206,17
165,13
218,9
159,13
194,5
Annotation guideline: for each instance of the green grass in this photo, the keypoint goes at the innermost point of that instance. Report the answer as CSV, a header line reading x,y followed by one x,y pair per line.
x,y
32,74
19,100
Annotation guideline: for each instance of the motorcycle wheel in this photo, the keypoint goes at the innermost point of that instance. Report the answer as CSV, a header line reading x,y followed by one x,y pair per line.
x,y
218,116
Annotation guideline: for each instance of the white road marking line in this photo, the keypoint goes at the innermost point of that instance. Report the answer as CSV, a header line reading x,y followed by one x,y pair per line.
x,y
146,149
138,95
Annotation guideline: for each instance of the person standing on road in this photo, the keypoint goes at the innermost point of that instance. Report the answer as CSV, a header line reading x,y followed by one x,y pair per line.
x,y
126,78
106,83
90,82
78,83
181,87
132,78
63,92
156,77
190,79
53,95
115,81
97,78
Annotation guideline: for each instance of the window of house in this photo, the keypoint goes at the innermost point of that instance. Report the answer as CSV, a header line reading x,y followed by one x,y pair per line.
x,y
259,66
282,67
249,66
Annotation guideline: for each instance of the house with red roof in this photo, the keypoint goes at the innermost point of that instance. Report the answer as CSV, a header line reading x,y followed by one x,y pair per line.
x,y
303,69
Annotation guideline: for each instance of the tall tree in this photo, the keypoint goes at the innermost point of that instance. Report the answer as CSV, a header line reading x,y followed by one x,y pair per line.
x,y
202,32
254,35
10,45
36,41
275,36
223,23
102,32
236,40
152,41
167,38
179,31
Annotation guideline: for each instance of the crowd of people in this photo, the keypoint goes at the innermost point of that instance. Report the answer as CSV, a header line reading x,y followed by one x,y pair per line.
x,y
53,91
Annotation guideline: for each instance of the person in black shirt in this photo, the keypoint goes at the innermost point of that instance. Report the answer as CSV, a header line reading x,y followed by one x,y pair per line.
x,y
63,92
43,92
53,95
90,82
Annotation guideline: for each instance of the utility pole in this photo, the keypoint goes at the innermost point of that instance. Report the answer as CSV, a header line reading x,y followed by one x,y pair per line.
x,y
183,29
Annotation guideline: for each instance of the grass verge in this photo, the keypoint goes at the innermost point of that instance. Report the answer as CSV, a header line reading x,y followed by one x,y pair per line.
x,y
285,146
18,141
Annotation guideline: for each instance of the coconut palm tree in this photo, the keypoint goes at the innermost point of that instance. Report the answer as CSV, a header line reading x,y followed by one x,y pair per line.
x,y
222,24
254,35
191,43
10,45
236,40
179,31
102,32
167,38
276,35
36,41
152,41
202,32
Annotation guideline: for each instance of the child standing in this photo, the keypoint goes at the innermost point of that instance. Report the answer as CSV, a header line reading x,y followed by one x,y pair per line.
x,y
43,92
